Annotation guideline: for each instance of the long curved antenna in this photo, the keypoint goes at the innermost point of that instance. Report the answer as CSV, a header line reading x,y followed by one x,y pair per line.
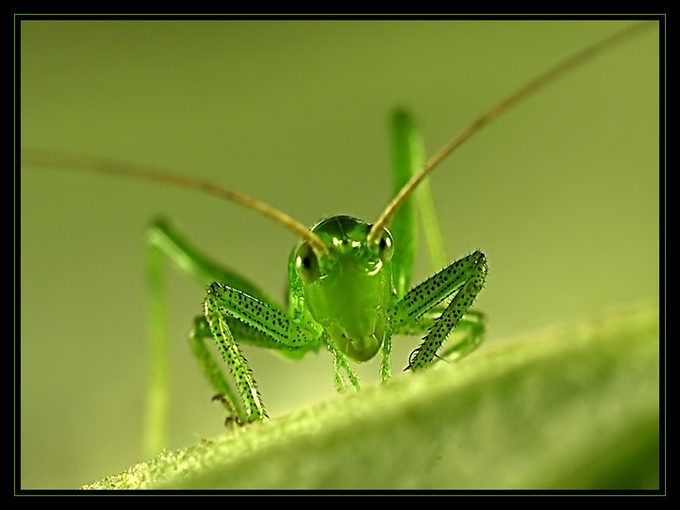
x,y
502,107
38,158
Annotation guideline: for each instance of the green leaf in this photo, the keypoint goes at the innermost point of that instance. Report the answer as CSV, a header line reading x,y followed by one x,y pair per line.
x,y
572,407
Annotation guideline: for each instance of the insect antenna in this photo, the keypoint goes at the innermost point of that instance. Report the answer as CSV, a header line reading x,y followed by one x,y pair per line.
x,y
532,87
38,158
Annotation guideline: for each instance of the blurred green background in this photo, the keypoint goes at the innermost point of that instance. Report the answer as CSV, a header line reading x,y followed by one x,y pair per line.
x,y
562,193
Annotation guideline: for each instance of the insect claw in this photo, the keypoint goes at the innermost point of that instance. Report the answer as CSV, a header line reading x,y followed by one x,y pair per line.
x,y
232,421
410,358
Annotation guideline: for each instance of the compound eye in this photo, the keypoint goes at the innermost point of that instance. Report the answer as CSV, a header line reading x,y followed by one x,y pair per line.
x,y
385,247
306,264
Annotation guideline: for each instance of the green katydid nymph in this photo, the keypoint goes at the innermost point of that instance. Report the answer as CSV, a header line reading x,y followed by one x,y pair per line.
x,y
349,289
350,285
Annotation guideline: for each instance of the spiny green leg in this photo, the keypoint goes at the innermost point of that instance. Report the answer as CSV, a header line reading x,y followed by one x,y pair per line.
x,y
461,282
408,159
224,392
252,403
199,334
223,303
165,241
447,322
472,328
464,340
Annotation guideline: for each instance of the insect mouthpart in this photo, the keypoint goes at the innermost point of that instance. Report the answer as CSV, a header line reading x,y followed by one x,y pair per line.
x,y
358,345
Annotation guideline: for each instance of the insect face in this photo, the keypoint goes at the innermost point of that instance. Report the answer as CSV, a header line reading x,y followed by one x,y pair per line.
x,y
348,292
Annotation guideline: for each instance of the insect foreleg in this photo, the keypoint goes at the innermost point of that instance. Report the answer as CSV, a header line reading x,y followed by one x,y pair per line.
x,y
245,384
471,327
461,281
224,392
222,305
164,241
468,334
198,336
